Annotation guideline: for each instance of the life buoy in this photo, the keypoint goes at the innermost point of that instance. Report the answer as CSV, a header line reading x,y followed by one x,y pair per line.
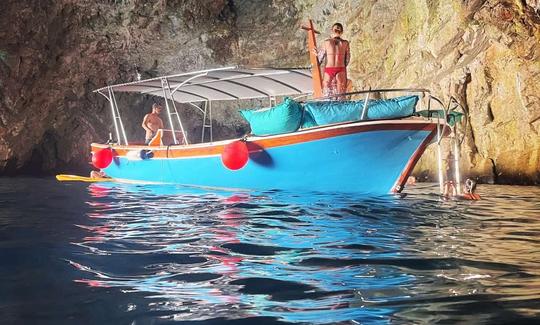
x,y
235,155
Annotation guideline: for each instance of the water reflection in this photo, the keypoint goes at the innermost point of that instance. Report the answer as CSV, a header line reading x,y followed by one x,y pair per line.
x,y
317,258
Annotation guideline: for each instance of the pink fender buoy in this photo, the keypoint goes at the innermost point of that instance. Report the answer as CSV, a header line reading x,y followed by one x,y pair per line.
x,y
102,158
235,155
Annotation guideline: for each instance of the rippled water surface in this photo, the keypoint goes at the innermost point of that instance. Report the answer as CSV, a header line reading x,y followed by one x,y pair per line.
x,y
77,253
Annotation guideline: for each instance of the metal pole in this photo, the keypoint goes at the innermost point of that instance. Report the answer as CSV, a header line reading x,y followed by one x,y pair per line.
x,y
204,121
168,110
119,119
210,120
456,163
364,109
439,157
176,112
186,81
197,107
114,115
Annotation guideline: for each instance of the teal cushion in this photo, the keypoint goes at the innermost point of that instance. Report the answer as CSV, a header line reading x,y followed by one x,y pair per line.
x,y
283,118
308,120
391,108
328,112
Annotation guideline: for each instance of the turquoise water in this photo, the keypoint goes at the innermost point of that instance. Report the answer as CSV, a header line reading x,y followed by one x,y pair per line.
x,y
77,253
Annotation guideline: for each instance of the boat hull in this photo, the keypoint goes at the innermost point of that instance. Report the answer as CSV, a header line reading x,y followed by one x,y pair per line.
x,y
374,157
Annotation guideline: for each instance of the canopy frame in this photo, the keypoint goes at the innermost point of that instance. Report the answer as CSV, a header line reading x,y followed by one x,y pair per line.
x,y
218,84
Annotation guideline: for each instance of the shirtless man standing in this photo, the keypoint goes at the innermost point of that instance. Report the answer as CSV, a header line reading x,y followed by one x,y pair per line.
x,y
151,122
337,53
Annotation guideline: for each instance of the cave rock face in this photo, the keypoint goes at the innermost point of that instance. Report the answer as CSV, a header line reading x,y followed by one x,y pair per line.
x,y
53,54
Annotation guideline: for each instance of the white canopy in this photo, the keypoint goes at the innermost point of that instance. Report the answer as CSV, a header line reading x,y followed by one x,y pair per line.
x,y
230,83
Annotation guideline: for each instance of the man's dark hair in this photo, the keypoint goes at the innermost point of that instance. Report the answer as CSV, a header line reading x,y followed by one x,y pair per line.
x,y
340,26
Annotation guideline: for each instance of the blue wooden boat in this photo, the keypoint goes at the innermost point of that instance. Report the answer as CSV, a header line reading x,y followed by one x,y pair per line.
x,y
373,149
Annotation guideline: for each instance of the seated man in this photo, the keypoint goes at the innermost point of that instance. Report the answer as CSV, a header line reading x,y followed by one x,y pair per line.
x,y
152,122
337,53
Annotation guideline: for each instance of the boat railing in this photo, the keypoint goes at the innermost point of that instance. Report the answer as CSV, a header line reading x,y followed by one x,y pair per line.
x,y
376,92
451,106
372,94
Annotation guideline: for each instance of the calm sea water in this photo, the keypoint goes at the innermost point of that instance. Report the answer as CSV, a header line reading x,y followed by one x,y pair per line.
x,y
76,253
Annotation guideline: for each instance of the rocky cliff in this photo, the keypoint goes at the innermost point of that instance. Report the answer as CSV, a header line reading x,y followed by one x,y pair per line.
x,y
54,53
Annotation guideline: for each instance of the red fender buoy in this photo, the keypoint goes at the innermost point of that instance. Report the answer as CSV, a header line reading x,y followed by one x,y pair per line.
x,y
102,158
235,155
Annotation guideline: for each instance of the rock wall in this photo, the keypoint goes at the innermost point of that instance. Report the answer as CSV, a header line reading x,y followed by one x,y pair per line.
x,y
54,53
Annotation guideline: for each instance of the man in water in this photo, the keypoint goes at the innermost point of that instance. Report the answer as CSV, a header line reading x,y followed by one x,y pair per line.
x,y
337,53
469,188
450,189
98,174
152,123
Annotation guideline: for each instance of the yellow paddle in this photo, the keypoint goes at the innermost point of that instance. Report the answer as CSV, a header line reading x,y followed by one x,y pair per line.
x,y
76,178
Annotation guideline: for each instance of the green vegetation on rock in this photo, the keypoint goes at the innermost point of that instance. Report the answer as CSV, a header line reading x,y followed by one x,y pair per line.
x,y
3,56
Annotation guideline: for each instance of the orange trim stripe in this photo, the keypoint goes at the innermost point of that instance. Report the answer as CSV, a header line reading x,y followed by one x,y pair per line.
x,y
202,150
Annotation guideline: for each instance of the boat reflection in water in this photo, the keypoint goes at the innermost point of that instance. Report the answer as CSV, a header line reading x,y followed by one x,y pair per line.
x,y
238,255
194,254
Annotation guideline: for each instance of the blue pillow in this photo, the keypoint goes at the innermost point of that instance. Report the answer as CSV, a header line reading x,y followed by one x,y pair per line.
x,y
391,108
283,118
328,112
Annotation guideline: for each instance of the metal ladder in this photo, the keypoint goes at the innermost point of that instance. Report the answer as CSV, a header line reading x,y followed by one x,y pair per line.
x,y
166,86
116,118
455,146
207,121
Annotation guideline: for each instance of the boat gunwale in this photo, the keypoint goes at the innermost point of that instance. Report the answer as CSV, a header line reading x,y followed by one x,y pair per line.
x,y
259,143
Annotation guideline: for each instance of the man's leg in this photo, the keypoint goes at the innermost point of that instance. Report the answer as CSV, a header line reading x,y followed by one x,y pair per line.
x,y
341,79
327,85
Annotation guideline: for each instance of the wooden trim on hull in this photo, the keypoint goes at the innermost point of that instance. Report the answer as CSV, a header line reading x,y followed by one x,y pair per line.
x,y
402,180
261,143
